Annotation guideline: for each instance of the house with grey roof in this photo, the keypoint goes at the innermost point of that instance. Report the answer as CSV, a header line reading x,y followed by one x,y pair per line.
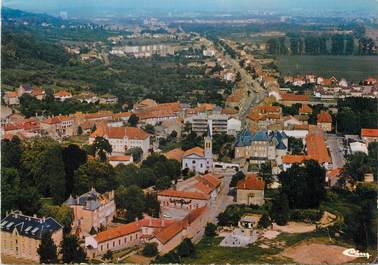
x,y
21,235
261,146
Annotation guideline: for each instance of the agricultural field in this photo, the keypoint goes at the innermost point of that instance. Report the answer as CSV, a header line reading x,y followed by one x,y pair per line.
x,y
353,68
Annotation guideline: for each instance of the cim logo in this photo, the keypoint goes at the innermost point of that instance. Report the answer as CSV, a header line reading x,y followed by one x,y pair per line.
x,y
351,252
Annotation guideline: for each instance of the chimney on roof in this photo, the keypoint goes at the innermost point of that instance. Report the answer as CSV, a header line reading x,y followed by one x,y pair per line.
x,y
150,222
162,222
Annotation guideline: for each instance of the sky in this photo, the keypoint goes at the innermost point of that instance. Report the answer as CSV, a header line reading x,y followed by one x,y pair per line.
x,y
100,7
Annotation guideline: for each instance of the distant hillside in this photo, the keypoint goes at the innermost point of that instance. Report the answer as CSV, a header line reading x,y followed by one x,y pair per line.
x,y
14,15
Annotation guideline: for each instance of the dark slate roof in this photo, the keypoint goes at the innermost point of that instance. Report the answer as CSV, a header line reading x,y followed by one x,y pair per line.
x,y
27,87
281,146
29,226
89,200
244,138
261,136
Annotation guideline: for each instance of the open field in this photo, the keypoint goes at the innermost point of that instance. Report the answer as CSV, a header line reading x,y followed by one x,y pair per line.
x,y
353,68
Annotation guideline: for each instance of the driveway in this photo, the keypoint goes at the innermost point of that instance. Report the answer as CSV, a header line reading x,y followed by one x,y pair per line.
x,y
335,145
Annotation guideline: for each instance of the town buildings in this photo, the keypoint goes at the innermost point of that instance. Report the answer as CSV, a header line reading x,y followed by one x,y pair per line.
x,y
250,191
92,211
324,121
123,138
199,160
369,135
120,159
265,117
62,95
216,122
261,146
21,235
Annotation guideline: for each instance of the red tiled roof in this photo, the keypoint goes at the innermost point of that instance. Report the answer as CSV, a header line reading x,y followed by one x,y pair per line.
x,y
316,146
251,182
62,93
305,109
195,150
183,194
11,94
324,117
369,132
294,159
121,115
211,180
268,109
120,158
175,154
37,91
294,97
120,132
169,232
203,188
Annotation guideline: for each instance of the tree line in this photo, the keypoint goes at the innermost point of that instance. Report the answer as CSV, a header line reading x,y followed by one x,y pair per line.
x,y
337,44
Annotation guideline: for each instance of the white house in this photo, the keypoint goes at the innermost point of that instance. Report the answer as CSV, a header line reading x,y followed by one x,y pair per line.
x,y
198,159
123,138
358,147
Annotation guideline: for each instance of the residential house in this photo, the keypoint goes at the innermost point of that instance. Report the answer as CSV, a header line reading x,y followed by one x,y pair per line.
x,y
369,135
289,160
59,126
11,98
62,95
324,121
38,92
24,88
108,99
250,191
123,138
265,117
21,235
184,200
92,211
288,99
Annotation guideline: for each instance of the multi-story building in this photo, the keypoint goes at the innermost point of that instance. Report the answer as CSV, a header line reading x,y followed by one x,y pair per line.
x,y
59,126
265,118
261,146
123,138
216,122
21,235
92,210
11,98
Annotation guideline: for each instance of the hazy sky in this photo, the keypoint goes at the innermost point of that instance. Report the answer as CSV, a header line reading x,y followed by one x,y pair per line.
x,y
96,7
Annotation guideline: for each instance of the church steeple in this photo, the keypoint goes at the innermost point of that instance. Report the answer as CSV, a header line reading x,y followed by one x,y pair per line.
x,y
208,143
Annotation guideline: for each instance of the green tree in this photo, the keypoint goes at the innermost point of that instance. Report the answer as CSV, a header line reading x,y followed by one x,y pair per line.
x,y
136,153
42,166
132,200
11,151
236,178
152,205
73,158
133,120
211,230
150,250
295,145
149,129
357,165
108,255
63,214
47,250
163,183
102,147
79,130
186,248
71,250
264,221
280,209
94,174
266,172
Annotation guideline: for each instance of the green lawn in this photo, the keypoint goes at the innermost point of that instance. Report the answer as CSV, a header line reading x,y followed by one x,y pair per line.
x,y
208,251
353,68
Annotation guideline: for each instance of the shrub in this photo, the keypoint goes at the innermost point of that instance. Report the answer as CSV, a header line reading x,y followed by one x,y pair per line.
x,y
150,250
306,215
210,230
264,221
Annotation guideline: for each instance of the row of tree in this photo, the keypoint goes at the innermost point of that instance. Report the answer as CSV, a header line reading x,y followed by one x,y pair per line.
x,y
337,44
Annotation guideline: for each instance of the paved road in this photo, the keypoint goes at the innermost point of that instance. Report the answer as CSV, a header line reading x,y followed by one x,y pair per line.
x,y
335,145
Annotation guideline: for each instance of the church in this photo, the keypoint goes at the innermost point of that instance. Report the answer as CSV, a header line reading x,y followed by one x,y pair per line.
x,y
199,160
